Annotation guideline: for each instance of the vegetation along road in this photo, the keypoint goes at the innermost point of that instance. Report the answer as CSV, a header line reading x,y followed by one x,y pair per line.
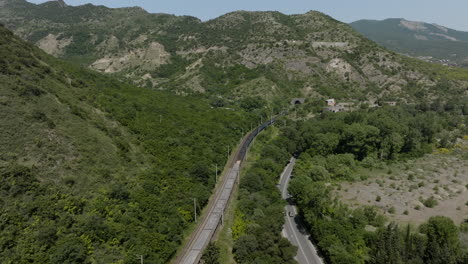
x,y
294,229
208,225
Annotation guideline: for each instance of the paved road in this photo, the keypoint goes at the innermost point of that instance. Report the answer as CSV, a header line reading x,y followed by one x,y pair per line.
x,y
293,228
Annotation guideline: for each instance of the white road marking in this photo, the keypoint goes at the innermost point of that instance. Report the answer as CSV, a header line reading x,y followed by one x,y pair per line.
x,y
298,242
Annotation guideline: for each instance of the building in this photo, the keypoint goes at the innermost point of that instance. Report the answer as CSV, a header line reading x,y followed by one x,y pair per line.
x,y
331,102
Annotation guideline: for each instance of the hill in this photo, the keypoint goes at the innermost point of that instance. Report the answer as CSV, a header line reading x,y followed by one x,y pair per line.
x,y
266,55
430,42
95,171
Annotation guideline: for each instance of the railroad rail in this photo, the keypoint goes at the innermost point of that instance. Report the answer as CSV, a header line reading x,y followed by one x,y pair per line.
x,y
212,221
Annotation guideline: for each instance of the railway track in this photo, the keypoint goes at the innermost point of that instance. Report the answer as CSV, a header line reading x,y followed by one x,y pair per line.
x,y
211,221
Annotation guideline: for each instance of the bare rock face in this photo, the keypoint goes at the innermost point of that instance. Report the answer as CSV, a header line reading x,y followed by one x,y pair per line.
x,y
411,25
147,58
266,54
318,44
53,45
62,3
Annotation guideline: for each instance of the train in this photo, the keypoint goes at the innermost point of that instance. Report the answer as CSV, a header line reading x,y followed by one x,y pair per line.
x,y
244,148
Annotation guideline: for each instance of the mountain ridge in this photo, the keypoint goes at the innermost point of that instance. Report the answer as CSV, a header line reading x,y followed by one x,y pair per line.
x,y
238,55
428,41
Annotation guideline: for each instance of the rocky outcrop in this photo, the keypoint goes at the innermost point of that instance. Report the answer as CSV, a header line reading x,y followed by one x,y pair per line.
x,y
53,44
147,58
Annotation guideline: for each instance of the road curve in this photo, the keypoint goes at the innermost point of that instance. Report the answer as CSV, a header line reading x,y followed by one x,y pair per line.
x,y
208,225
294,229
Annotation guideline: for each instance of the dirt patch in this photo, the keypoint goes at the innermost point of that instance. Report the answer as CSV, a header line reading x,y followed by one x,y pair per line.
x,y
414,191
54,46
145,59
330,44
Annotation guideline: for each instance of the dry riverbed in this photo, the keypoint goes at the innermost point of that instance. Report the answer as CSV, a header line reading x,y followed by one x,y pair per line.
x,y
413,191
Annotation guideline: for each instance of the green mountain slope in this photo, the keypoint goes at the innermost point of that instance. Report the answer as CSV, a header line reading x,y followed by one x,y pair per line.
x,y
430,41
238,55
95,171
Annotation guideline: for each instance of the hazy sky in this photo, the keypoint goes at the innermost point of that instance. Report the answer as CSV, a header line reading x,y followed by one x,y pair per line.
x,y
450,13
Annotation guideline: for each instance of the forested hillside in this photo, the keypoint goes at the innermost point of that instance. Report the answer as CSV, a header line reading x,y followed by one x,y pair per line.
x,y
430,42
267,56
95,171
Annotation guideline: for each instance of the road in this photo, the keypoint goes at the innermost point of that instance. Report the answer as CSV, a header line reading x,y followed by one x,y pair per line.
x,y
293,228
209,223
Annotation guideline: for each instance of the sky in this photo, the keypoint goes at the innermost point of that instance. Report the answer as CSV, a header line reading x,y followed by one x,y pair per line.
x,y
449,13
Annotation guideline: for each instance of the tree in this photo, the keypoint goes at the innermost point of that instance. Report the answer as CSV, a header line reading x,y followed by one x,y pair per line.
x,y
244,246
211,254
388,247
443,245
69,250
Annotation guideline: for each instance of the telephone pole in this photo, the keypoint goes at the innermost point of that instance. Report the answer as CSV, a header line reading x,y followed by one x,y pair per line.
x,y
140,257
195,208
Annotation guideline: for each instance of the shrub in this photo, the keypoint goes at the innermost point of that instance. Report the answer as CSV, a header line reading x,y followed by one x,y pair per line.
x,y
430,202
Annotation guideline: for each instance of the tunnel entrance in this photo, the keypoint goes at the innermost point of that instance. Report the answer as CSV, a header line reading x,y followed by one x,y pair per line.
x,y
297,101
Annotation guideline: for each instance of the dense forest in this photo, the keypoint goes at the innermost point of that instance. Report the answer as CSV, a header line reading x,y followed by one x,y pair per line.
x,y
93,170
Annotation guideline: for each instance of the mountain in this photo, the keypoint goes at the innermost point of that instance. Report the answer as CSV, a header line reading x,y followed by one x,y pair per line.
x,y
430,42
95,171
264,55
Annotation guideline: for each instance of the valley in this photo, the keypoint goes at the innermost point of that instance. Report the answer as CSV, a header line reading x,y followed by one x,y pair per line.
x,y
116,124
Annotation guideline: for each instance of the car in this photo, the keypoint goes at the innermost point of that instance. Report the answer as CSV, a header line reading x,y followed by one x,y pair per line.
x,y
291,214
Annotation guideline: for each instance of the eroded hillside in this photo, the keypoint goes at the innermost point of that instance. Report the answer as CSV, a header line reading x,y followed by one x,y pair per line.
x,y
95,171
240,54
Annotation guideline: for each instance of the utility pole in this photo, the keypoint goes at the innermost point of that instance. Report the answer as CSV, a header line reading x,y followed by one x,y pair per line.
x,y
271,115
140,257
216,179
195,208
228,153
